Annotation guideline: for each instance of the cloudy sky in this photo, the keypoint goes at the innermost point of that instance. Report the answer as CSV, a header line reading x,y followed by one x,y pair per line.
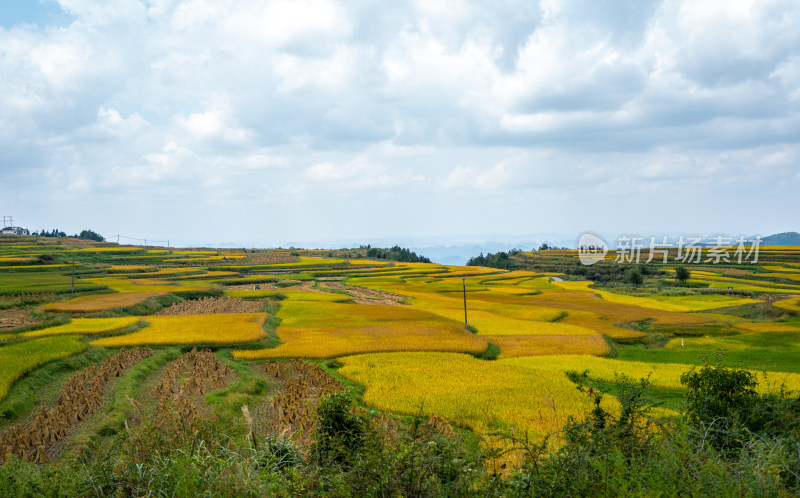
x,y
260,122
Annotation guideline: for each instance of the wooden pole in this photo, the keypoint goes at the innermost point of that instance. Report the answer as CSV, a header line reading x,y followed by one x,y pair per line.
x,y
73,272
464,283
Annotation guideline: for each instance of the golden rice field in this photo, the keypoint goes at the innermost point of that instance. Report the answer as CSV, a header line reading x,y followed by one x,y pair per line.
x,y
672,303
140,285
87,326
502,395
583,306
101,302
788,275
788,304
495,324
230,328
14,260
783,270
768,327
22,357
538,345
319,329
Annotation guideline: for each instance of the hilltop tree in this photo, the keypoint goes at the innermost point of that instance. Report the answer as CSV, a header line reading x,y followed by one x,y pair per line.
x,y
682,274
91,235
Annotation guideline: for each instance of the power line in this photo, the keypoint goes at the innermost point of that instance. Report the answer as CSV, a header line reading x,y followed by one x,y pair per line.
x,y
151,241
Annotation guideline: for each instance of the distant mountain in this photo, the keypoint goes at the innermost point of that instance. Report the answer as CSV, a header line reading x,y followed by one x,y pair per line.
x,y
782,239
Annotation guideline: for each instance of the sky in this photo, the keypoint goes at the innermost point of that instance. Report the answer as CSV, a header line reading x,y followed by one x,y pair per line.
x,y
263,123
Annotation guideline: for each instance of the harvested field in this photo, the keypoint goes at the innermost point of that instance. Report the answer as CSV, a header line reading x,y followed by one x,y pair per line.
x,y
361,295
13,318
213,306
267,258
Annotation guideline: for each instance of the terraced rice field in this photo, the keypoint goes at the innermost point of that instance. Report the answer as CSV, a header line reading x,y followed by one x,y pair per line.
x,y
505,395
229,328
101,302
20,358
324,329
83,326
398,328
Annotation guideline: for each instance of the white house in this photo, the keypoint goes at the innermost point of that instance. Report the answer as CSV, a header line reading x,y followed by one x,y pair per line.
x,y
15,231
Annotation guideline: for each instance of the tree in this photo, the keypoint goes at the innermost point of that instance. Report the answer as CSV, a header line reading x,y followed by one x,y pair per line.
x,y
634,276
497,260
682,274
91,235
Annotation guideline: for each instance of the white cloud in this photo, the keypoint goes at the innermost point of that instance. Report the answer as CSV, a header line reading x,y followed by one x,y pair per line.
x,y
215,123
418,102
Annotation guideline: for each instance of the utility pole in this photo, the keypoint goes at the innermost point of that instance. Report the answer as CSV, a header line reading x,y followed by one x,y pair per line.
x,y
73,272
464,283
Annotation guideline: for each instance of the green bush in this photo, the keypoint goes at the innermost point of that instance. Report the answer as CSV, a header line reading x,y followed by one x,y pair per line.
x,y
724,408
340,434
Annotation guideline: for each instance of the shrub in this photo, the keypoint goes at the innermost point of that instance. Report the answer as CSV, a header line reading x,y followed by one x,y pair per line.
x,y
634,276
724,408
340,434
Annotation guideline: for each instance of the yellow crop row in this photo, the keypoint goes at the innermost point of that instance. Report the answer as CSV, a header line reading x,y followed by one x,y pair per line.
x,y
101,302
666,303
494,324
782,269
748,285
329,342
22,357
87,326
767,327
145,285
30,267
231,328
661,374
788,304
109,249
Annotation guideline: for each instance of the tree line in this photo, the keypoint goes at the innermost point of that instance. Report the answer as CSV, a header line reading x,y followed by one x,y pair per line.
x,y
395,253
85,234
